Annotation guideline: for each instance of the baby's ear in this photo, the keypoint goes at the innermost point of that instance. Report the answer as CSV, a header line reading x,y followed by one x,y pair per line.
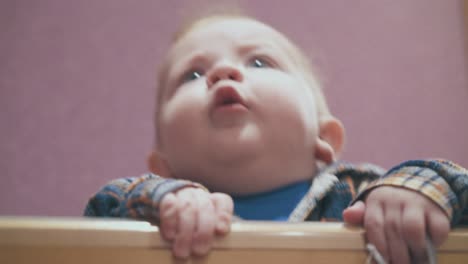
x,y
330,140
158,165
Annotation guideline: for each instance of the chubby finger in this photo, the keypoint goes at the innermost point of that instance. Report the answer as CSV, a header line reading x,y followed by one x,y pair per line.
x,y
396,244
374,226
224,207
414,233
438,226
168,216
204,231
186,224
354,214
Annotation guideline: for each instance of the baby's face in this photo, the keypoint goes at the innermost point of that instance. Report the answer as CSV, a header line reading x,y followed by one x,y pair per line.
x,y
236,113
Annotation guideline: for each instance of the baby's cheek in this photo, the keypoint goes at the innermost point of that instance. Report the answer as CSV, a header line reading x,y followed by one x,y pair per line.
x,y
177,119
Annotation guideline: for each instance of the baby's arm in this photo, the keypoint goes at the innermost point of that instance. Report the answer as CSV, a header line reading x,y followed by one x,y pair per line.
x,y
136,197
175,205
419,199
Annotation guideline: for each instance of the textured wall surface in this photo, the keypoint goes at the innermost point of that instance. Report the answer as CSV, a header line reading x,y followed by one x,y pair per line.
x,y
77,84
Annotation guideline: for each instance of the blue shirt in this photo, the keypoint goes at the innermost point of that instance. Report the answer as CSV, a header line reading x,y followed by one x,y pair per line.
x,y
274,205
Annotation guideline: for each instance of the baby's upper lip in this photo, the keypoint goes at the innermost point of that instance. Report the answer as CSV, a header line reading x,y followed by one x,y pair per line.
x,y
226,95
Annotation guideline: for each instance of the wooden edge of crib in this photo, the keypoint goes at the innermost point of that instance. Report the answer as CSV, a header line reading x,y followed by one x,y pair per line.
x,y
101,232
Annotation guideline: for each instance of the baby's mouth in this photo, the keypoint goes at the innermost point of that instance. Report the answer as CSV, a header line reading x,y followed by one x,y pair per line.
x,y
228,96
229,109
228,101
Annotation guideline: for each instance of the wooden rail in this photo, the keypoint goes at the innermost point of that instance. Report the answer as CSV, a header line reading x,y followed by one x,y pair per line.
x,y
85,240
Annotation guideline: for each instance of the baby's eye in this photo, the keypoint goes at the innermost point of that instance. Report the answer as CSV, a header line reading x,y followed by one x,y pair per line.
x,y
259,63
192,75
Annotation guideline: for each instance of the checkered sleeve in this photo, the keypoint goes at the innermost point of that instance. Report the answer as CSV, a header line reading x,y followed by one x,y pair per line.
x,y
136,197
444,182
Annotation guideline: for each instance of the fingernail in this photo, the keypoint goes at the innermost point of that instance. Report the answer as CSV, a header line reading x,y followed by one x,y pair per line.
x,y
201,250
170,234
222,227
182,253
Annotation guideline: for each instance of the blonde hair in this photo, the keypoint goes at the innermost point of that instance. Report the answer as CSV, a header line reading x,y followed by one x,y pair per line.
x,y
302,61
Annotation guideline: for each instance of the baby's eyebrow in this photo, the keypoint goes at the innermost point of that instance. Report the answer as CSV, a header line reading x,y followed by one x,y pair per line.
x,y
249,47
205,56
195,57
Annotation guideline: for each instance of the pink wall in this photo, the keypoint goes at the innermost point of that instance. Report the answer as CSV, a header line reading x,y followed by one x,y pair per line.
x,y
77,84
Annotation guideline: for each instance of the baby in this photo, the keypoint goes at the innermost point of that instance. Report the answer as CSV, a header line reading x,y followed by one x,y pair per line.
x,y
243,128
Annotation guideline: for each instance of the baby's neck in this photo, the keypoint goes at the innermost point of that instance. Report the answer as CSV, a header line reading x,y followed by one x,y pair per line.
x,y
260,175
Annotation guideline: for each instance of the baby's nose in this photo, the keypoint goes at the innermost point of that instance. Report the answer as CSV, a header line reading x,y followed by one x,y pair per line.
x,y
224,72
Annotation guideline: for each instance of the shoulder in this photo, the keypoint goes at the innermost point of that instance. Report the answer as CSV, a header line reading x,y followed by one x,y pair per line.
x,y
343,169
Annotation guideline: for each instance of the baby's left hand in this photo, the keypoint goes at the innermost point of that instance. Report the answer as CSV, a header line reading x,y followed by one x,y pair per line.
x,y
397,221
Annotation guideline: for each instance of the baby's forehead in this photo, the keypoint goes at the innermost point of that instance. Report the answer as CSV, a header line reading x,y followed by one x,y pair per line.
x,y
243,31
243,28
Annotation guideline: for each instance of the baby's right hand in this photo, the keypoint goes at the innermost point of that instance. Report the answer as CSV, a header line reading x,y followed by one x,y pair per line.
x,y
191,218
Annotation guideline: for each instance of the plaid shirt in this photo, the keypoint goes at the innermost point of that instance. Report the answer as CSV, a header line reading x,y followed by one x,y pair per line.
x,y
331,191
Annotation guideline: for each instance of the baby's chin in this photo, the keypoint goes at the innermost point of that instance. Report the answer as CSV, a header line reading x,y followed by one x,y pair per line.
x,y
237,141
